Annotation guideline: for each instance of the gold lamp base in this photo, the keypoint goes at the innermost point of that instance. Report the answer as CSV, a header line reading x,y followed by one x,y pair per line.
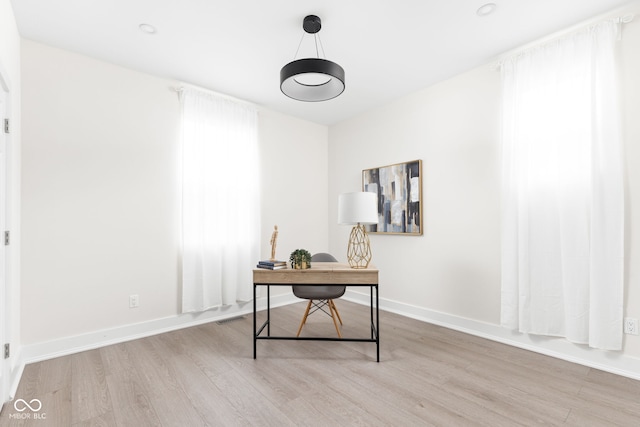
x,y
359,249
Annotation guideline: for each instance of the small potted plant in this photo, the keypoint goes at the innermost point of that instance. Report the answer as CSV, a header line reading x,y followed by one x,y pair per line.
x,y
300,259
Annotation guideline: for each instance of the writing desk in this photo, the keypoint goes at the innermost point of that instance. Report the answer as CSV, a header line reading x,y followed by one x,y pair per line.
x,y
320,273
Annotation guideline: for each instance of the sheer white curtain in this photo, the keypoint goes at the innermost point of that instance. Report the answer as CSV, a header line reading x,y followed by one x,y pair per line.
x,y
220,200
563,201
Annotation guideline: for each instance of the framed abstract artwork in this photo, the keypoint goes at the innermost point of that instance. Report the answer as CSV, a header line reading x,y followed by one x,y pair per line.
x,y
399,190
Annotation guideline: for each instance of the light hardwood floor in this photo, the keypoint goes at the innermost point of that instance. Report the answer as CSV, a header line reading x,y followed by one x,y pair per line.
x,y
428,375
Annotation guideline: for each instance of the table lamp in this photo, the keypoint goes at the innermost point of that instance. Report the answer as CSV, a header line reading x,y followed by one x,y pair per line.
x,y
358,208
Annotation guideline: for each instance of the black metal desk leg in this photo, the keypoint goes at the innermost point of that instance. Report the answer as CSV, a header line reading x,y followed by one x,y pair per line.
x,y
377,327
371,309
268,310
255,338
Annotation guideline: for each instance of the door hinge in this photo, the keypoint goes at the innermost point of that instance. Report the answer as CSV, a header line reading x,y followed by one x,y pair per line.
x,y
6,125
7,350
7,238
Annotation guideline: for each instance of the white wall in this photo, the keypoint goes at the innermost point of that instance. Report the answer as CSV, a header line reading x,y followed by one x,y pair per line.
x,y
452,272
454,267
10,68
100,193
294,183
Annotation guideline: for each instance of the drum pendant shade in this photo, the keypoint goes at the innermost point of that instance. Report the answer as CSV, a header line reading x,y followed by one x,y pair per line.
x,y
312,79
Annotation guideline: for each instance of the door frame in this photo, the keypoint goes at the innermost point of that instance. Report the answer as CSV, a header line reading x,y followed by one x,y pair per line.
x,y
5,294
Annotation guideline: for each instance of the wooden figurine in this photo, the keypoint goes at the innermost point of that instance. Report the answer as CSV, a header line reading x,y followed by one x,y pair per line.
x,y
274,239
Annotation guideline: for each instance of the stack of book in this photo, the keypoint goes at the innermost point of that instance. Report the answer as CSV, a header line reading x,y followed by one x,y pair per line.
x,y
272,265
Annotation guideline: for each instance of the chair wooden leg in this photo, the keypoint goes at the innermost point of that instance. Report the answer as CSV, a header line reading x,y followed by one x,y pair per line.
x,y
304,318
335,309
333,316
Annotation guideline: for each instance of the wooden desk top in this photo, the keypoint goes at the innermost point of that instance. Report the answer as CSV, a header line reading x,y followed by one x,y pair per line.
x,y
320,273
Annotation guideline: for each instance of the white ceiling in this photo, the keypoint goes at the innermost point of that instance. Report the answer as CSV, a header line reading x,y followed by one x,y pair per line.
x,y
387,48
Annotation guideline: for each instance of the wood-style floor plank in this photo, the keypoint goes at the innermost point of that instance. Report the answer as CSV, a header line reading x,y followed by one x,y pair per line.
x,y
428,376
89,392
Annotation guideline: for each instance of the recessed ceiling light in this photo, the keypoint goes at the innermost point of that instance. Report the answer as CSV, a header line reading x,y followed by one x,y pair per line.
x,y
147,28
486,9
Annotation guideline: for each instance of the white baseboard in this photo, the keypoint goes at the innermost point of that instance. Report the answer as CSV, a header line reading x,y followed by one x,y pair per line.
x,y
604,360
68,345
609,361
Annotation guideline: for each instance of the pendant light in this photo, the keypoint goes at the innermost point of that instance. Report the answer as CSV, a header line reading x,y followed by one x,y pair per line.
x,y
312,79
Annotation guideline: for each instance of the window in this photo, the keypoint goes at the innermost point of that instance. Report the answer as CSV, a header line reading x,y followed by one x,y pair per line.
x,y
563,207
220,200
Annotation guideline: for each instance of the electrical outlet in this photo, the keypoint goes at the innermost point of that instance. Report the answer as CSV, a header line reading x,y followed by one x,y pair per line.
x,y
134,301
631,325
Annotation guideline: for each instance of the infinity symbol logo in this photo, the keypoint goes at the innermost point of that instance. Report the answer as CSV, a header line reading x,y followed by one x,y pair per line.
x,y
37,405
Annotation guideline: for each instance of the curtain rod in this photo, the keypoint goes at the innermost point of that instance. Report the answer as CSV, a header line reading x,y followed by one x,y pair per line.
x,y
179,89
621,18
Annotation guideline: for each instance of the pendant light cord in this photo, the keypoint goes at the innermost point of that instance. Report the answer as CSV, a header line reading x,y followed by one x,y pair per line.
x,y
324,55
298,49
316,39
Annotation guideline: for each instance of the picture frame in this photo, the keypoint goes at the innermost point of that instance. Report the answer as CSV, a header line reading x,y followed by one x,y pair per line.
x,y
399,190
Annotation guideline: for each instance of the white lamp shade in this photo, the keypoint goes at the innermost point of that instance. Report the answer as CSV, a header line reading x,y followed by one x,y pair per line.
x,y
359,207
